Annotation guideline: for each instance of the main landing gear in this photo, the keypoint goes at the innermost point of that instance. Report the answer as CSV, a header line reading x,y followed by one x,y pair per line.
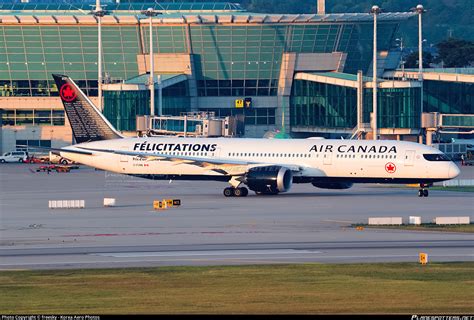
x,y
423,192
236,192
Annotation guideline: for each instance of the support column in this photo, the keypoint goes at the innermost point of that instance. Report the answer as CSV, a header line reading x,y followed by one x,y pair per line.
x,y
429,137
285,83
375,11
360,100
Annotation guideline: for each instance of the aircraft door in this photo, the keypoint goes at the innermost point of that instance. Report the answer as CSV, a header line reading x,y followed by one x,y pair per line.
x,y
123,162
123,158
216,154
327,158
409,157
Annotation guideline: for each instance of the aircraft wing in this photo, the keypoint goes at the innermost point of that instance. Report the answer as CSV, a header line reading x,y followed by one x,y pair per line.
x,y
223,166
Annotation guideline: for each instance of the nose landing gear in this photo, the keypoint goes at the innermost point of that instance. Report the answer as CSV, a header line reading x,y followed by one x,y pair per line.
x,y
423,192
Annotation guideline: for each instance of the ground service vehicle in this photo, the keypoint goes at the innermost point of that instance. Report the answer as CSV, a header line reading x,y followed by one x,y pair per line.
x,y
14,156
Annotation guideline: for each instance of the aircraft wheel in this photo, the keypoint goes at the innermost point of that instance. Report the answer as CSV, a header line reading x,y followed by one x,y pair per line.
x,y
420,193
426,193
241,192
238,192
229,192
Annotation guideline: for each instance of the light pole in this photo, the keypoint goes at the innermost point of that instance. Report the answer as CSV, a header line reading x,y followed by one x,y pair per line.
x,y
402,60
99,13
420,10
375,11
150,13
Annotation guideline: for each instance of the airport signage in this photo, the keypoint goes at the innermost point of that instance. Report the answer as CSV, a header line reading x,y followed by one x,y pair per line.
x,y
243,103
239,103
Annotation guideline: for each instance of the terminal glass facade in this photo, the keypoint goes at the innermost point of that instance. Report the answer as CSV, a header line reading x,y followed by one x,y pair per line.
x,y
122,107
448,97
30,54
458,121
42,117
230,60
314,104
255,116
246,60
397,107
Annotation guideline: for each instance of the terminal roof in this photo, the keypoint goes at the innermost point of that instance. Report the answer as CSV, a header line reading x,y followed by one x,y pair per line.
x,y
182,12
19,8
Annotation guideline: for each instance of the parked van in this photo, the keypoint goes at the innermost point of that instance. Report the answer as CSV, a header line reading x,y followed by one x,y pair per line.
x,y
14,156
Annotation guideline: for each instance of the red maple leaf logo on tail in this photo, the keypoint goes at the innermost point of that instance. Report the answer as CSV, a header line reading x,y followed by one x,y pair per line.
x,y
67,93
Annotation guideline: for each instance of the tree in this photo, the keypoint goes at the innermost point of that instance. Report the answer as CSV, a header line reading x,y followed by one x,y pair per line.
x,y
455,53
411,61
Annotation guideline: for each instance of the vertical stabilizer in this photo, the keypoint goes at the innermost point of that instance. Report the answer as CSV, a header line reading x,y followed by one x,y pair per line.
x,y
87,122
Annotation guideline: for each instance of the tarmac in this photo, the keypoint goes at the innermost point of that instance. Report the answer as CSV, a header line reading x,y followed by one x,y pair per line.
x,y
303,226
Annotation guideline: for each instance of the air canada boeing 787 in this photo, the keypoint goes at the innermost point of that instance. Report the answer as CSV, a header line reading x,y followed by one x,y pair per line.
x,y
261,165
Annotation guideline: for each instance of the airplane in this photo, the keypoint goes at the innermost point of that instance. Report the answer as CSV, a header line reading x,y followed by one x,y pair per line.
x,y
265,166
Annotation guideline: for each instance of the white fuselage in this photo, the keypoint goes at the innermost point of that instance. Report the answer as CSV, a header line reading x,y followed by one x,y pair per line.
x,y
353,160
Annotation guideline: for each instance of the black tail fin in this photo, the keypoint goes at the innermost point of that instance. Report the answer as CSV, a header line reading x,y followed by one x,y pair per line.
x,y
87,122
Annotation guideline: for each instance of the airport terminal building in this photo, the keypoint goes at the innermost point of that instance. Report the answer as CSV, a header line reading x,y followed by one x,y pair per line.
x,y
307,73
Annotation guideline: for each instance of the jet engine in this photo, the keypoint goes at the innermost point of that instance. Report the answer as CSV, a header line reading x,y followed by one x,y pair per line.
x,y
269,180
333,185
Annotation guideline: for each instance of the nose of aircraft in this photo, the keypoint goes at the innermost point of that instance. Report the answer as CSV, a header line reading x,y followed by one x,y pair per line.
x,y
453,171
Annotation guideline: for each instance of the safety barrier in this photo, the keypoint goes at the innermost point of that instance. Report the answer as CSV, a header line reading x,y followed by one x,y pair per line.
x,y
459,183
66,204
452,220
382,221
109,202
414,221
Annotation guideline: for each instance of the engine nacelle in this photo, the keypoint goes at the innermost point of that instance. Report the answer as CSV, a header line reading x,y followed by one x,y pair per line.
x,y
333,185
270,180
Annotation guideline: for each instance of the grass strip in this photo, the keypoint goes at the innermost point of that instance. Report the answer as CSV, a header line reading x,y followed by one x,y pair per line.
x,y
467,228
276,289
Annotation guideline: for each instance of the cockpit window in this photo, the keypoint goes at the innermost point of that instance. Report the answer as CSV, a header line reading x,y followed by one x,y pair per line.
x,y
436,157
